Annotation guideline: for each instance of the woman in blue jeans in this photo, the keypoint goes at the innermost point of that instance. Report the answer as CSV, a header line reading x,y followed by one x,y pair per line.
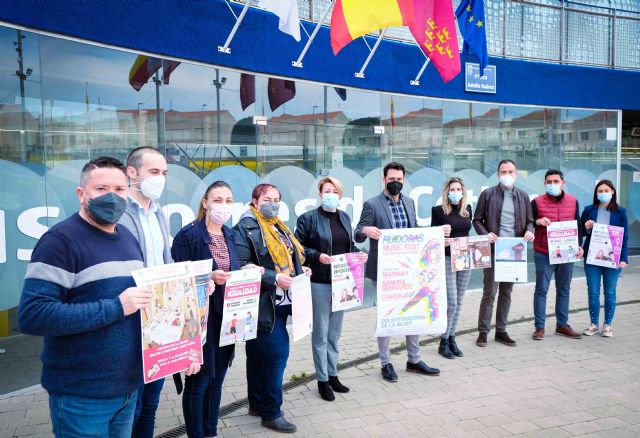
x,y
604,210
203,239
263,239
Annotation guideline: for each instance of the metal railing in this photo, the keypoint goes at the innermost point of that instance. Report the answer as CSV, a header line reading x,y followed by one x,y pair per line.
x,y
600,33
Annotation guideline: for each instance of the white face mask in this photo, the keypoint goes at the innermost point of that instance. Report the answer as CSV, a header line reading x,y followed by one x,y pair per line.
x,y
220,213
153,186
507,180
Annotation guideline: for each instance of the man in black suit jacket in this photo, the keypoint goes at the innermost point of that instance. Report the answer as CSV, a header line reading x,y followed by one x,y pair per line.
x,y
390,209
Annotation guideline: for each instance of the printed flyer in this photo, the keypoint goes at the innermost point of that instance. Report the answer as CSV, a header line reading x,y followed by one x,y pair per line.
x,y
510,264
605,246
202,272
562,238
240,308
411,288
171,331
472,252
347,281
301,307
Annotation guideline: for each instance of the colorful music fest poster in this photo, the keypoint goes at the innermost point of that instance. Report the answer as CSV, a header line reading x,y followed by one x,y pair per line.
x,y
171,331
411,288
347,281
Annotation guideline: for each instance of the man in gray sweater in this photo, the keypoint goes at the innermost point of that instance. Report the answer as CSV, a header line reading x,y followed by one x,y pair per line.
x,y
502,211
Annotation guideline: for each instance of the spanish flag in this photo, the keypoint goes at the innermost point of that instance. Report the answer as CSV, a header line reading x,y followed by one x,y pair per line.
x,y
142,69
353,18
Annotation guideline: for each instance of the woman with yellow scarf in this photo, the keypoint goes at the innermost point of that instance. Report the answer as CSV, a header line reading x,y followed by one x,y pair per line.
x,y
264,240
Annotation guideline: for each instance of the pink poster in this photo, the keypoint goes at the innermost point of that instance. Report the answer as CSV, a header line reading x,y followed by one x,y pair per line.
x,y
171,329
347,281
605,246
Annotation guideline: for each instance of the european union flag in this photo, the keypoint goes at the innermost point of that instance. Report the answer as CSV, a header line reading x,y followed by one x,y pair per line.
x,y
471,22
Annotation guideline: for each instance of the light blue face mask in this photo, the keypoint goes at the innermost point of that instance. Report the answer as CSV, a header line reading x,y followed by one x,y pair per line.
x,y
330,201
455,197
554,189
604,198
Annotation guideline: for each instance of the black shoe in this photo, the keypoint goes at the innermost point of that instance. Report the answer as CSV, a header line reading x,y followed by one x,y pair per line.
x,y
454,347
336,385
444,350
504,338
254,412
325,391
280,425
422,368
389,374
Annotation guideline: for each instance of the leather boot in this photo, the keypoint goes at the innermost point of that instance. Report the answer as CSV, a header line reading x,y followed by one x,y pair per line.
x,y
444,350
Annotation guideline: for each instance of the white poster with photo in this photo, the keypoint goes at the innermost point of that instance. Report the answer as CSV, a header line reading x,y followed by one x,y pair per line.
x,y
510,260
301,306
411,286
240,308
347,281
562,238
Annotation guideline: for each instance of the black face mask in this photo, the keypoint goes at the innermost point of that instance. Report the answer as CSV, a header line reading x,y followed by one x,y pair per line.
x,y
394,187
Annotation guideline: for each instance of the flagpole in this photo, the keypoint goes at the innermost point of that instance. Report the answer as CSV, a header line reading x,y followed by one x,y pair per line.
x,y
225,48
360,74
159,127
298,63
416,81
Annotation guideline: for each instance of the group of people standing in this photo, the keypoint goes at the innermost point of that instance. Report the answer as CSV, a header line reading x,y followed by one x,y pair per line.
x,y
80,296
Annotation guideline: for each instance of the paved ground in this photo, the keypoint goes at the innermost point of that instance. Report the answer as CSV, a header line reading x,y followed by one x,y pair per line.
x,y
554,388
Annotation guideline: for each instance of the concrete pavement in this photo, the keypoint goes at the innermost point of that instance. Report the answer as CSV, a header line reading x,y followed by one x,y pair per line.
x,y
555,387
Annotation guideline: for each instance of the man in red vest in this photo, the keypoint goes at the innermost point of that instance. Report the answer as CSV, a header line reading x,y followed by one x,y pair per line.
x,y
554,206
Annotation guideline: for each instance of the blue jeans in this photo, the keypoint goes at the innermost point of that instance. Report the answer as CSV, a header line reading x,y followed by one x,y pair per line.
x,y
544,271
266,360
202,394
609,278
80,417
146,407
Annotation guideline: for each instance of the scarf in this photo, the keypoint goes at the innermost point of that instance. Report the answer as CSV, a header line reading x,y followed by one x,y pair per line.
x,y
280,254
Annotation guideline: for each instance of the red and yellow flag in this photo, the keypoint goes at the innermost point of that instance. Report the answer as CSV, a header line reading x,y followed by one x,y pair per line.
x,y
353,18
142,69
434,29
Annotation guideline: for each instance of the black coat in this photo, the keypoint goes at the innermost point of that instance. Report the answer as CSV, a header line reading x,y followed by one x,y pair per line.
x,y
313,231
251,248
192,244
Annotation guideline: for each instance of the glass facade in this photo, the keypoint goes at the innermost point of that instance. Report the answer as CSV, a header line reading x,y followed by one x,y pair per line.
x,y
63,103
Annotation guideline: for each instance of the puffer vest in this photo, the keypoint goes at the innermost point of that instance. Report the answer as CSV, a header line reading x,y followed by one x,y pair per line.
x,y
556,210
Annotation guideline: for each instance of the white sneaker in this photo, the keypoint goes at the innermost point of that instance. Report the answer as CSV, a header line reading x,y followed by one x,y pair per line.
x,y
606,331
591,330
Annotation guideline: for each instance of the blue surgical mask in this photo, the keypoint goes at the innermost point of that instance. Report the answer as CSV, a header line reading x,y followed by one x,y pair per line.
x,y
604,198
330,201
270,209
107,209
554,189
455,197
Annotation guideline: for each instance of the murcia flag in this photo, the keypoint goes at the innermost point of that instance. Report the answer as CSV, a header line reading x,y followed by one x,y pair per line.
x,y
434,29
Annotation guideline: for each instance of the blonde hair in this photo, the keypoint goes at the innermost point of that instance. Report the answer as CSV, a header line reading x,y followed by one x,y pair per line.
x,y
446,204
331,180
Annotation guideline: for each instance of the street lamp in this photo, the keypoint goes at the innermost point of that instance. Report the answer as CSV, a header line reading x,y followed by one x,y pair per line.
x,y
202,121
218,83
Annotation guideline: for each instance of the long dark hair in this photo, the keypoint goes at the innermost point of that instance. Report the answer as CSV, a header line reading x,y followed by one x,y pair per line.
x,y
613,204
202,212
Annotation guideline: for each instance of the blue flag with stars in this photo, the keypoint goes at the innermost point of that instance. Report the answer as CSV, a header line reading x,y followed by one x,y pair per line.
x,y
470,16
